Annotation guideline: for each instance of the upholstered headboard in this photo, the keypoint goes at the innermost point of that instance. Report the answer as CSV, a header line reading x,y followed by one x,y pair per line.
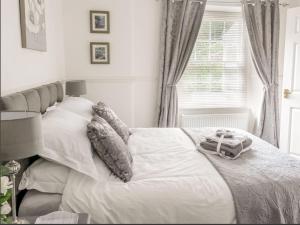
x,y
32,100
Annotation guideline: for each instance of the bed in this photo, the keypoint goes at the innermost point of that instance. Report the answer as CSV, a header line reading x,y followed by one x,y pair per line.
x,y
172,182
163,188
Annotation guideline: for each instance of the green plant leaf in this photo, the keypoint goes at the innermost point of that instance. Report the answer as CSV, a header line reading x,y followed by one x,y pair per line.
x,y
4,171
6,197
5,220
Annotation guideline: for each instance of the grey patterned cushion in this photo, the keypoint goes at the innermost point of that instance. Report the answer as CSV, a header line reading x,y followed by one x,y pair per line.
x,y
110,116
110,147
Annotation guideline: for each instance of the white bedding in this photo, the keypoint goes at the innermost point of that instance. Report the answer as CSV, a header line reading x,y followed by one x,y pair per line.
x,y
172,183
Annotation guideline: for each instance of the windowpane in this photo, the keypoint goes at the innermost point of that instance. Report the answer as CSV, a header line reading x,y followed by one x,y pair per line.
x,y
215,75
216,51
204,31
217,29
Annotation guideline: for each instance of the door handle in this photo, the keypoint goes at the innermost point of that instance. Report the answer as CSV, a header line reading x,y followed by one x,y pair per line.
x,y
286,93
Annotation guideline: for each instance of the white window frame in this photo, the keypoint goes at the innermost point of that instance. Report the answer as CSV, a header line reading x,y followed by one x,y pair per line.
x,y
247,69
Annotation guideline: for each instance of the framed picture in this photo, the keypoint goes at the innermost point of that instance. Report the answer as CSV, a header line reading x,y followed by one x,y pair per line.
x,y
99,22
33,24
100,53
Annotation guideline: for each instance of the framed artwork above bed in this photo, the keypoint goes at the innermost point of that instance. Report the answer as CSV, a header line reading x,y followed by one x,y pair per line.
x,y
99,22
33,24
100,52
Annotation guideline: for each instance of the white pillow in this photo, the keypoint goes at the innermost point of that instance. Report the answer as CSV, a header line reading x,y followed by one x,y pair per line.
x,y
78,105
66,141
45,176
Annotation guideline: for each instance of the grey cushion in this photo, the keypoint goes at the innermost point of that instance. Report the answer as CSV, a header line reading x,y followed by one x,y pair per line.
x,y
60,91
110,148
45,98
33,100
53,93
14,102
114,121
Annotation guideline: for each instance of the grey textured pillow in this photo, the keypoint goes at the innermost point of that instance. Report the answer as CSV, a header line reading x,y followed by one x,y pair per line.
x,y
110,116
110,147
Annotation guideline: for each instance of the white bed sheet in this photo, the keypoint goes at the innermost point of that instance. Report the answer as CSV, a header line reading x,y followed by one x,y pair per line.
x,y
172,183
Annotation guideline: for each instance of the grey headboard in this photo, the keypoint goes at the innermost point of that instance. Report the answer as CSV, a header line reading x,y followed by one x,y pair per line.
x,y
32,100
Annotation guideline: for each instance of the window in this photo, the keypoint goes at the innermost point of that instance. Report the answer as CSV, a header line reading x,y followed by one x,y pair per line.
x,y
215,76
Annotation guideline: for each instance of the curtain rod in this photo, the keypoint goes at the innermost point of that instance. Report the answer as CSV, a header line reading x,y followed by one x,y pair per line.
x,y
284,4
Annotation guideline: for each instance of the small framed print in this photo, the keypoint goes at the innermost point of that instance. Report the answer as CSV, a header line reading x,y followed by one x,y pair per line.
x,y
99,22
100,53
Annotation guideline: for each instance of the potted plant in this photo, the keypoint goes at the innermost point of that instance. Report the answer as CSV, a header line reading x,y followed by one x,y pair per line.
x,y
5,196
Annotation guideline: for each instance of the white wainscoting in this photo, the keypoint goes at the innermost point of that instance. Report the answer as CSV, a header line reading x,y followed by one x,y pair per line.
x,y
133,98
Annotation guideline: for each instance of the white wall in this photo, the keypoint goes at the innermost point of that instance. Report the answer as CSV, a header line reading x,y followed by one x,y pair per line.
x,y
129,83
294,3
23,68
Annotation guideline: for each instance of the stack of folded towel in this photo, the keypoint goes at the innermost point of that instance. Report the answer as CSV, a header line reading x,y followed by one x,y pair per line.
x,y
226,144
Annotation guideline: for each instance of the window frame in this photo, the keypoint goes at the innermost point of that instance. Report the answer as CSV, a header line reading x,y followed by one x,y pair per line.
x,y
227,14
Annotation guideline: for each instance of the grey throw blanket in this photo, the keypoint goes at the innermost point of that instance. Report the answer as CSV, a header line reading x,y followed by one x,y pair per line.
x,y
265,183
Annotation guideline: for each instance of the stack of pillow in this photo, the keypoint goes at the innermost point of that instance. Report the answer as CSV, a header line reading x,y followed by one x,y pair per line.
x,y
109,137
75,131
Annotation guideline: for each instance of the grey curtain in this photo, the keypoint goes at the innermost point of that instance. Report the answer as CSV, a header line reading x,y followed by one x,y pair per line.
x,y
262,20
180,26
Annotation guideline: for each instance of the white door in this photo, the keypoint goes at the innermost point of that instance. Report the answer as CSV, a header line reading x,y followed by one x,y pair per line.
x,y
290,116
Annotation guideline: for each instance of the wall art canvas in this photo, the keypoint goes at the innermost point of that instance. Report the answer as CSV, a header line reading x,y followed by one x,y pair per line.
x,y
99,22
33,24
100,53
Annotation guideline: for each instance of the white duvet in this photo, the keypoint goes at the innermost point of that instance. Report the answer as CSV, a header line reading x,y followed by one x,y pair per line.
x,y
172,183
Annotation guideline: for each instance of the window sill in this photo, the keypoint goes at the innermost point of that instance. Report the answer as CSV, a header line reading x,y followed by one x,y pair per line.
x,y
222,110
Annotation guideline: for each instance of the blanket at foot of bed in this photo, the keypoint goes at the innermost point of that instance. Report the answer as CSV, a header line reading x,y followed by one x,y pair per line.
x,y
264,182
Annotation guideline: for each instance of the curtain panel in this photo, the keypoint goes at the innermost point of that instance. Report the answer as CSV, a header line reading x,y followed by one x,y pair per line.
x,y
263,23
180,26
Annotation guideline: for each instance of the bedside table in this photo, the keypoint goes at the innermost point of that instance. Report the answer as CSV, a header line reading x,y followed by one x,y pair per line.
x,y
83,218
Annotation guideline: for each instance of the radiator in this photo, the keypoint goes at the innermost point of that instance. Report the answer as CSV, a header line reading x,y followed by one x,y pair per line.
x,y
233,120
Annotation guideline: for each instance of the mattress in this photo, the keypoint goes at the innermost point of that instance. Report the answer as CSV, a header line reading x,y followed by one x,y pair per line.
x,y
172,183
36,203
